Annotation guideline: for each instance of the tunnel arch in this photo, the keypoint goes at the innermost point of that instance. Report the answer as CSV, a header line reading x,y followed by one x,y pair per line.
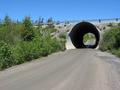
x,y
79,30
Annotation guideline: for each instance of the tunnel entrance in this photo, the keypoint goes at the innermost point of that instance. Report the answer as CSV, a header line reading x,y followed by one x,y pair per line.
x,y
80,30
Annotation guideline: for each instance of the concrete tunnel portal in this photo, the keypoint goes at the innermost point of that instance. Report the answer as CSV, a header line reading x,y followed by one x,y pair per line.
x,y
79,30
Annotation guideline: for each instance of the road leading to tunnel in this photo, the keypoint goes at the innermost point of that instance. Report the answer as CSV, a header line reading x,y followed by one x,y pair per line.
x,y
82,69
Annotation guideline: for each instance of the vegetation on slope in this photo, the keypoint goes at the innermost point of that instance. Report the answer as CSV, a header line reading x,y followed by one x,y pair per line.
x,y
22,41
111,41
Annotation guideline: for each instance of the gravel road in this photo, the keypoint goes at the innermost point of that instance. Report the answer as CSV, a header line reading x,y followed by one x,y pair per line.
x,y
77,69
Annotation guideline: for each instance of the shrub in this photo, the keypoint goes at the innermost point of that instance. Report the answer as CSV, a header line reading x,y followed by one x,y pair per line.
x,y
50,23
21,42
110,24
116,52
18,53
6,59
62,35
111,41
10,35
27,33
118,24
62,40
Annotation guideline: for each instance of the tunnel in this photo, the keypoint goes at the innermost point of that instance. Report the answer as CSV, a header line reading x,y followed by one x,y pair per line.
x,y
79,30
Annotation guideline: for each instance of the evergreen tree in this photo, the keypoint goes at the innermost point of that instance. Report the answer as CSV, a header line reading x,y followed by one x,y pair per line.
x,y
40,21
50,23
7,21
27,33
0,22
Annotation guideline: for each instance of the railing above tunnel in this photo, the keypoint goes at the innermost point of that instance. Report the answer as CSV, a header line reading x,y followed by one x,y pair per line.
x,y
108,20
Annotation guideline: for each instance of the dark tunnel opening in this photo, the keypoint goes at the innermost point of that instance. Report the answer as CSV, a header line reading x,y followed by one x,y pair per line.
x,y
78,32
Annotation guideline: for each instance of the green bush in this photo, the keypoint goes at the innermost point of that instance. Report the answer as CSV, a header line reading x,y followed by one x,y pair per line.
x,y
22,42
111,41
110,24
27,31
10,35
62,35
27,51
116,52
6,59
118,24
62,40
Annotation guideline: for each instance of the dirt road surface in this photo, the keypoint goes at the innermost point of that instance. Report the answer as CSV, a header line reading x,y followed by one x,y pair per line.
x,y
82,69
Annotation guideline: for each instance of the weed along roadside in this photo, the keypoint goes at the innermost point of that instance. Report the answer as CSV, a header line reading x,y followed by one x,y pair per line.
x,y
111,40
22,41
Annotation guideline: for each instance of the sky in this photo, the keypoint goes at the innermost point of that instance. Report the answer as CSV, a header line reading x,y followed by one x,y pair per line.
x,y
60,9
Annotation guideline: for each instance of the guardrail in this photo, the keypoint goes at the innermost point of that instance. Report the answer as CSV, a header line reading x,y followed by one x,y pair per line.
x,y
92,20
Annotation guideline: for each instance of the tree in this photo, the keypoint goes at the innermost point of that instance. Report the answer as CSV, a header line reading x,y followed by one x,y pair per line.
x,y
67,22
40,21
117,19
118,24
58,22
50,23
27,33
18,22
7,21
0,22
99,20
